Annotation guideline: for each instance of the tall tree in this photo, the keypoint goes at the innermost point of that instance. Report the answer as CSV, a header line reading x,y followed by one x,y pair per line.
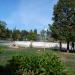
x,y
63,27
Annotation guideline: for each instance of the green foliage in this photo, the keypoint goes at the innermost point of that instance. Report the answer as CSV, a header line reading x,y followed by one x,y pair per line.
x,y
1,49
43,64
24,34
2,29
7,34
42,33
16,34
32,35
63,27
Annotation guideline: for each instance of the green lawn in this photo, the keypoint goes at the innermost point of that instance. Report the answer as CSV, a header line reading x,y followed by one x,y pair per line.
x,y
67,58
8,53
69,61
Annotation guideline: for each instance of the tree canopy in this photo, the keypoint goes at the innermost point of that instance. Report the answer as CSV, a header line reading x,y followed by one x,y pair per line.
x,y
16,34
63,27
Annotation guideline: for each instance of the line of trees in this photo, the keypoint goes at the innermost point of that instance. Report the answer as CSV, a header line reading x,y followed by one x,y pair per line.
x,y
63,27
7,34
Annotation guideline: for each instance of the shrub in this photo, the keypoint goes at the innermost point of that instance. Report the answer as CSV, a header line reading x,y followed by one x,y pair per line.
x,y
44,64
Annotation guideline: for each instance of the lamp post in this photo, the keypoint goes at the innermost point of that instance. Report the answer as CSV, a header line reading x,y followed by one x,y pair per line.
x,y
45,30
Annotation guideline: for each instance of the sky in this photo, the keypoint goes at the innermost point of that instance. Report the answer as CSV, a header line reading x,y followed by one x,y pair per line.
x,y
27,14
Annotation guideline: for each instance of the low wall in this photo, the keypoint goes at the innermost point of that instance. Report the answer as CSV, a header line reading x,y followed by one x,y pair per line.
x,y
39,44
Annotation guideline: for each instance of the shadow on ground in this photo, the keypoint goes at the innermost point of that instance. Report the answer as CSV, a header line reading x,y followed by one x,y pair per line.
x,y
56,48
5,70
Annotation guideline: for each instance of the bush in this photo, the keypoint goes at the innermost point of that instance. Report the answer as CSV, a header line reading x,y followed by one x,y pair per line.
x,y
44,64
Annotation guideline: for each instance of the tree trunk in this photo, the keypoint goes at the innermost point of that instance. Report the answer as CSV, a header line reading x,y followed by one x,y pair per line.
x,y
68,45
60,44
72,48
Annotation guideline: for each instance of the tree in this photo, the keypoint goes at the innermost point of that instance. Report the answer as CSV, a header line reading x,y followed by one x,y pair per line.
x,y
42,35
8,34
16,34
32,35
63,27
35,31
49,38
24,34
2,29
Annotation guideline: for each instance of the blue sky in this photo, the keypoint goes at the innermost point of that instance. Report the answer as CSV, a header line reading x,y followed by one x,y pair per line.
x,y
27,14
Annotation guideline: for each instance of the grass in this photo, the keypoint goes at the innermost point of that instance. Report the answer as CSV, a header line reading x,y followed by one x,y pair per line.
x,y
69,61
67,58
8,53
